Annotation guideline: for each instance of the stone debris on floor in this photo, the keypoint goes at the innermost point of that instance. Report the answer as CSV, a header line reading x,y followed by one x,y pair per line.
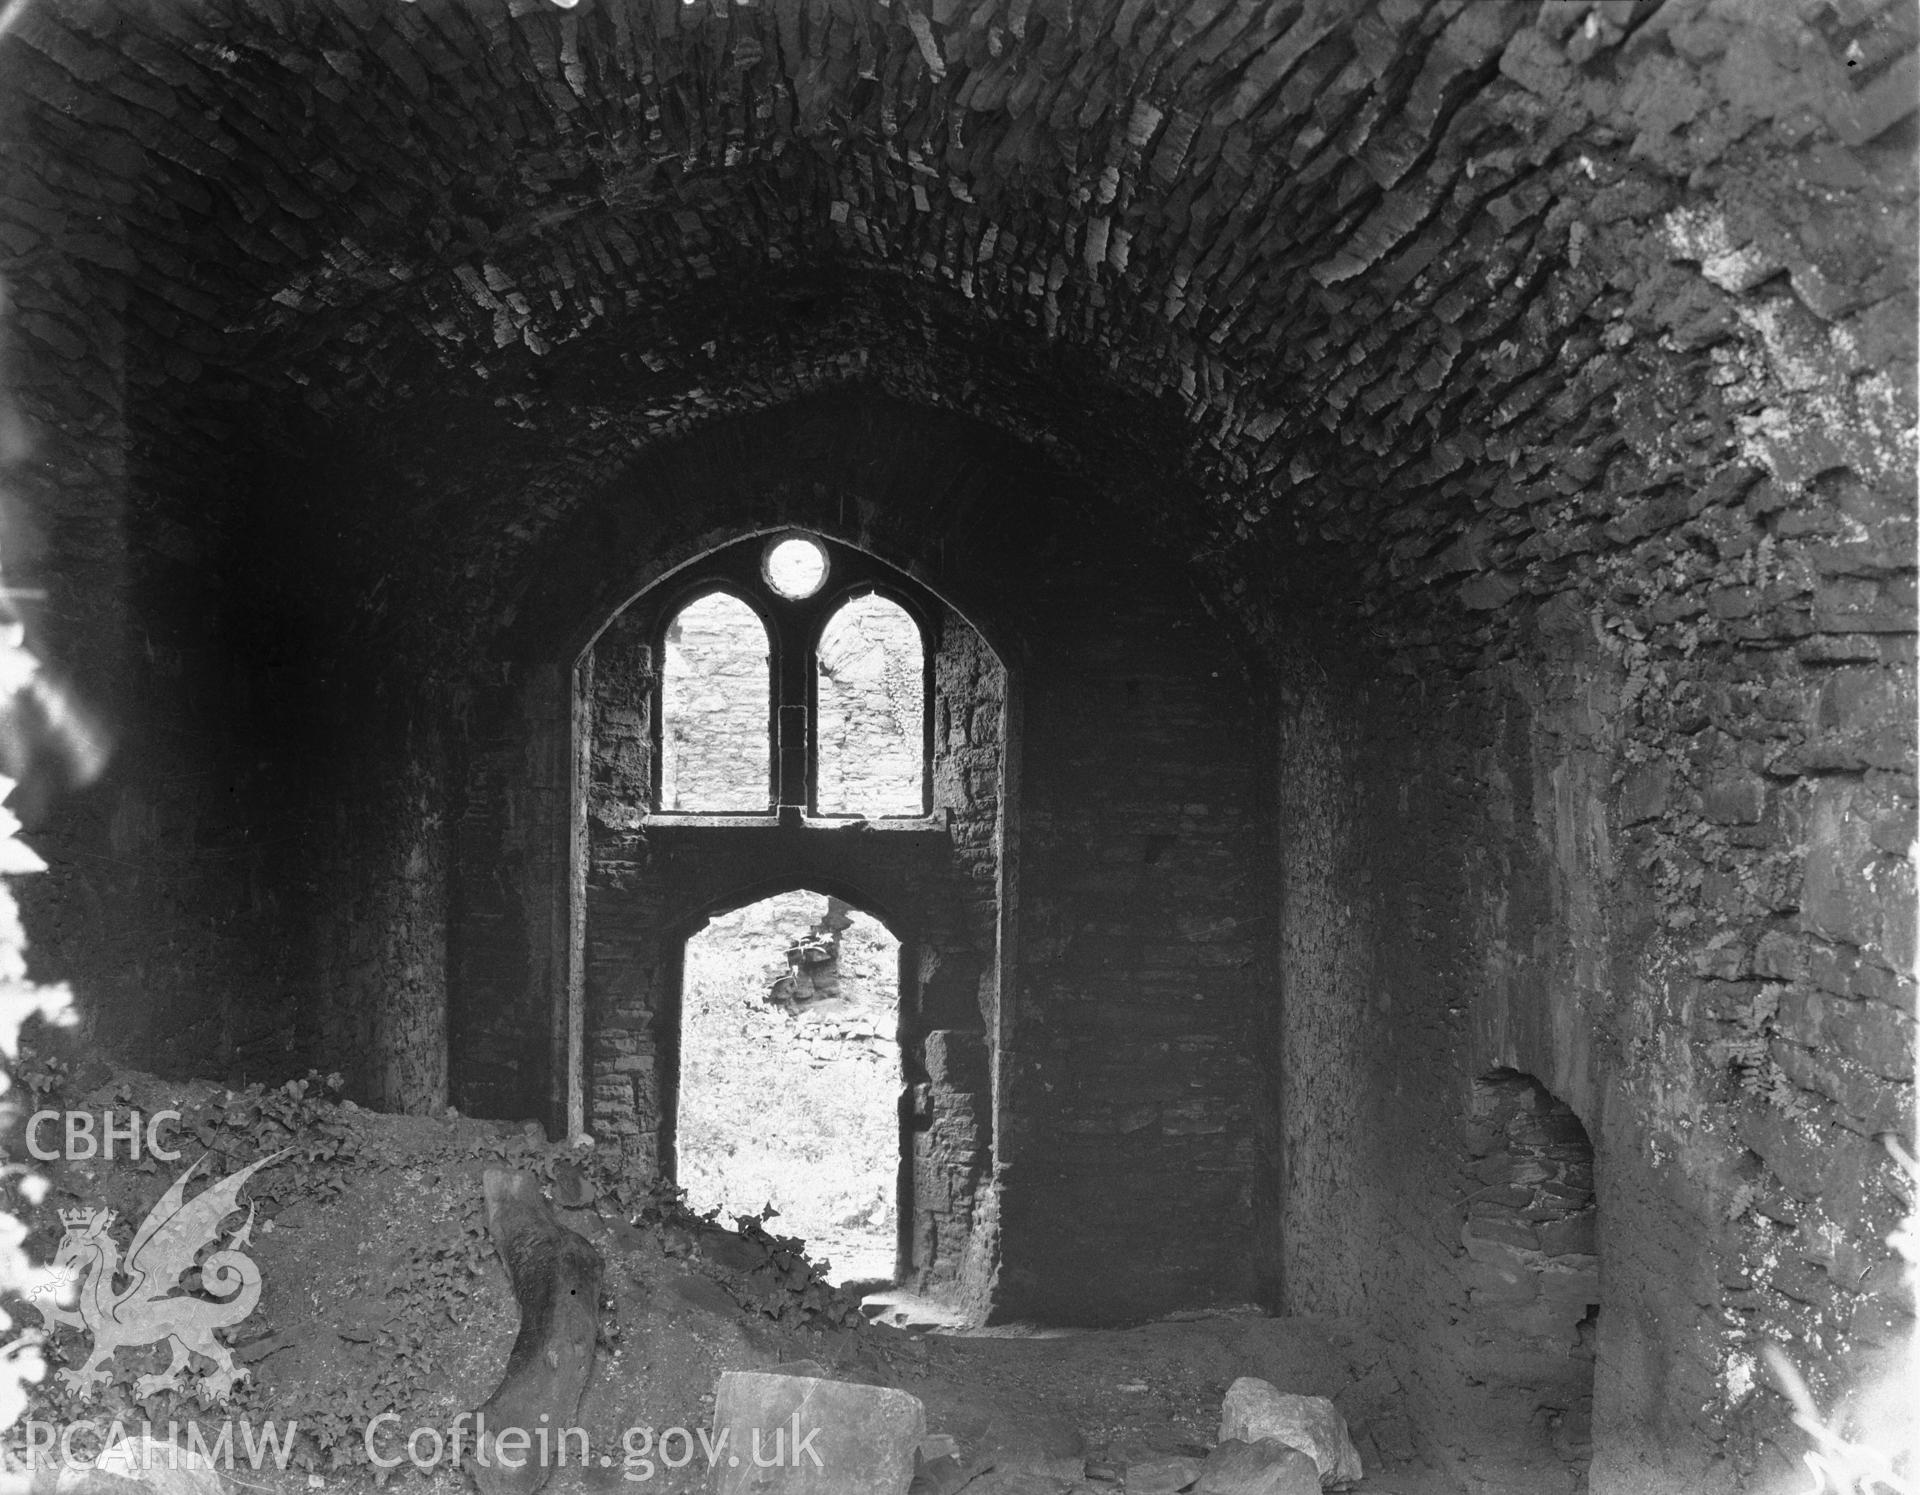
x,y
875,1441
1264,1467
1257,1411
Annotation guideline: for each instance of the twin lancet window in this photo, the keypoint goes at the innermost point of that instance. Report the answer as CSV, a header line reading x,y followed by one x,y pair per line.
x,y
794,688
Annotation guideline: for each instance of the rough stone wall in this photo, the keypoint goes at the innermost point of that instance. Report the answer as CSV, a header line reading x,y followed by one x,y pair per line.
x,y
71,377
872,704
1477,874
510,788
1647,690
617,678
968,770
1533,1290
379,1016
955,1244
255,885
1426,938
716,744
118,854
1126,1086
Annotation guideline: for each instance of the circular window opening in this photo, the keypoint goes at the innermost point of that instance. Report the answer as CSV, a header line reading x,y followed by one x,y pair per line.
x,y
795,567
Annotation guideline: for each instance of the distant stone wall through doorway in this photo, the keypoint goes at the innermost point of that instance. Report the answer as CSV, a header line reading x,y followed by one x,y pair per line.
x,y
790,1077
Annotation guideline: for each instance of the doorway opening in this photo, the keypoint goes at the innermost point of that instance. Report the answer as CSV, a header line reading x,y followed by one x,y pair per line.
x,y
874,720
790,1078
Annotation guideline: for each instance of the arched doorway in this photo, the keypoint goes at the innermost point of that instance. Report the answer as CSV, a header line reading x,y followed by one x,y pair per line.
x,y
1081,891
790,1077
744,734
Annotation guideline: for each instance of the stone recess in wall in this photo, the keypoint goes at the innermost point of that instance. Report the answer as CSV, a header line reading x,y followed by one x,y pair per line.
x,y
1533,1286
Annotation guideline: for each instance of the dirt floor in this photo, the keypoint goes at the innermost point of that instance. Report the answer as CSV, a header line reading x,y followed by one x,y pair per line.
x,y
384,1306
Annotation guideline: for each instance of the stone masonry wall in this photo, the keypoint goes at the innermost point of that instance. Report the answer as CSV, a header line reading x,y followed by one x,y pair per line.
x,y
956,1241
716,744
1125,1085
872,699
508,876
1533,1291
1477,875
969,772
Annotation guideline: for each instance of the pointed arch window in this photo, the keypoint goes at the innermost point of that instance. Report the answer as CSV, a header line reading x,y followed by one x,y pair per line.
x,y
715,707
795,679
870,689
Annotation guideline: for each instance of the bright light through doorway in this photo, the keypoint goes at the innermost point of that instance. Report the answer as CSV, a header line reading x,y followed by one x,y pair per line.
x,y
790,1077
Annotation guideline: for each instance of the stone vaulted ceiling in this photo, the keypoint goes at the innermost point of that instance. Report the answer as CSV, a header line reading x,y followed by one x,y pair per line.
x,y
1434,280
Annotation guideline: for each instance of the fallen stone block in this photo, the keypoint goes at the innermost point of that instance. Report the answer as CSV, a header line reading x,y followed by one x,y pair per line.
x,y
1161,1476
1025,1472
1256,1409
556,1276
1265,1467
939,1476
803,1435
1022,1481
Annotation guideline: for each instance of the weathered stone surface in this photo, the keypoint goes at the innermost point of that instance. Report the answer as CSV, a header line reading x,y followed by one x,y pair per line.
x,y
1265,1466
1877,1104
1254,1410
1871,1034
938,1468
556,1276
816,1437
1026,1477
138,1465
1161,1476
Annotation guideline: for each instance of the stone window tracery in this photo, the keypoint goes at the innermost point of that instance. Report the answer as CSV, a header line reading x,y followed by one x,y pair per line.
x,y
793,679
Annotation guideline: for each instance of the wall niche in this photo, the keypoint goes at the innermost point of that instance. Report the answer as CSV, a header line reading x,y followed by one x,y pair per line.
x,y
1533,1269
